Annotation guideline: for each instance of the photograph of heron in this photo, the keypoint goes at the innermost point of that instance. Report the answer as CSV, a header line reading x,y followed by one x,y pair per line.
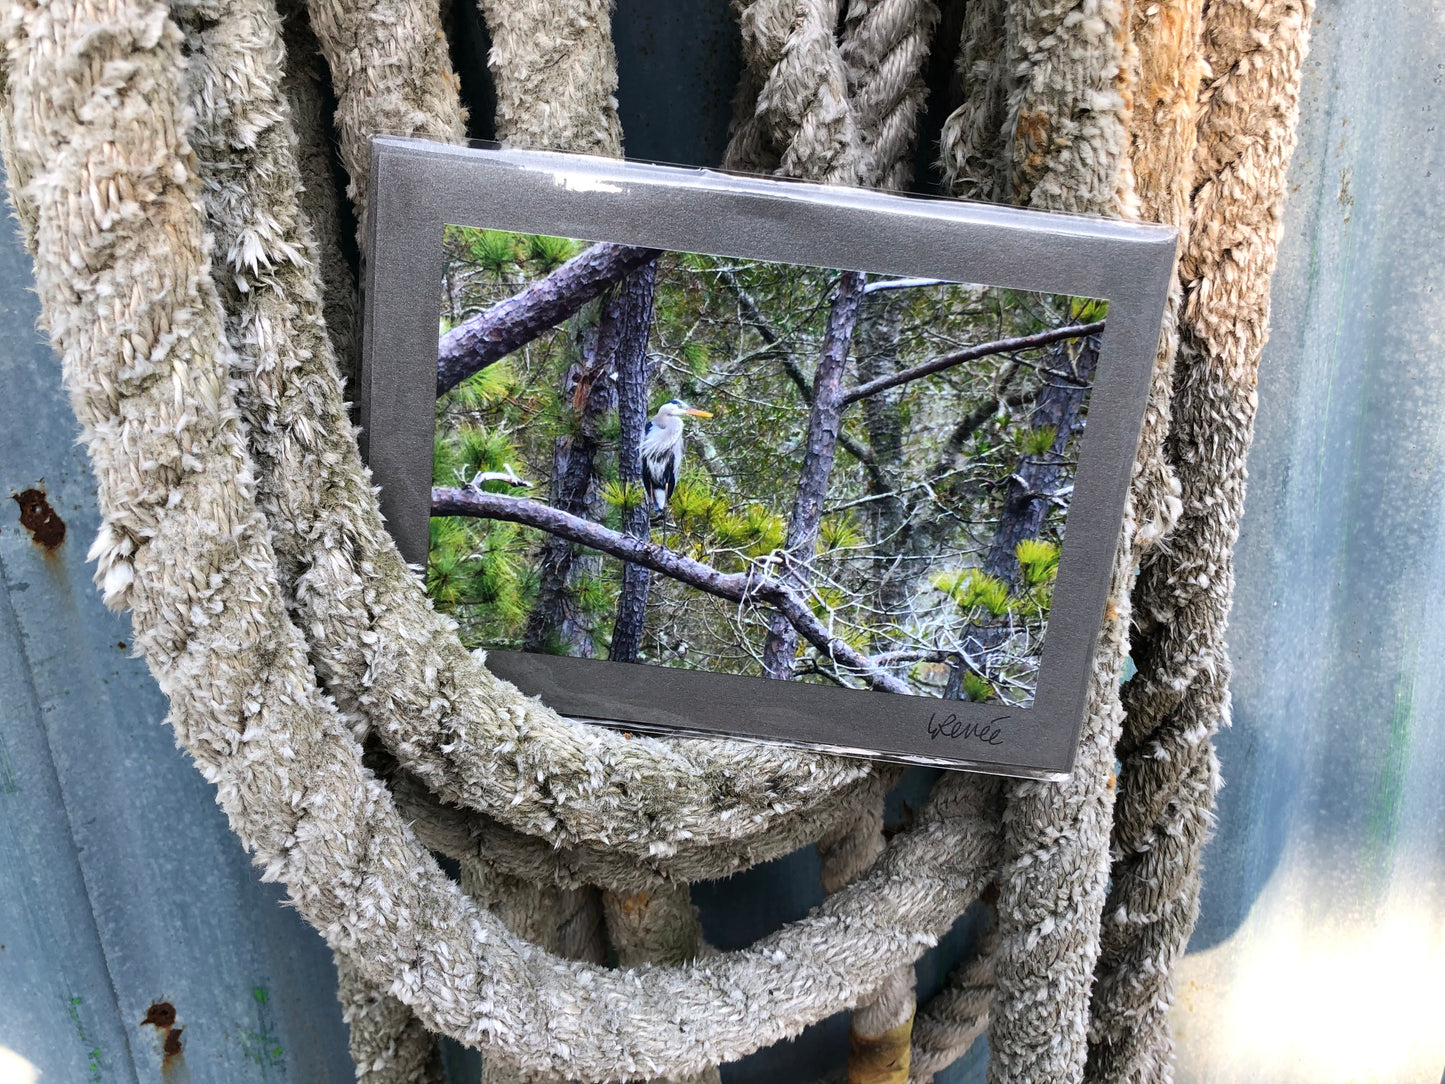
x,y
760,469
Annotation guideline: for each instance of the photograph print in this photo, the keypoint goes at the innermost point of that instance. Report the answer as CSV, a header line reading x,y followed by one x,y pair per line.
x,y
760,469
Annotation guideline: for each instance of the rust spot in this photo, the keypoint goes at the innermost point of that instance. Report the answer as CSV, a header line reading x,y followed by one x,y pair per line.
x,y
36,516
161,1014
636,904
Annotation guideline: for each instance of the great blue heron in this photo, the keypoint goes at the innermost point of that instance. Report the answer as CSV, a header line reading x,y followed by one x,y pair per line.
x,y
662,451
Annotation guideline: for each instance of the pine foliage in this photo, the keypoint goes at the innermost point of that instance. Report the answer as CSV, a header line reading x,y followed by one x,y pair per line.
x,y
897,565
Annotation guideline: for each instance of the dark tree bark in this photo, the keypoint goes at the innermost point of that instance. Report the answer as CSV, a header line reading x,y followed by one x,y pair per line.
x,y
1060,404
794,372
1067,377
592,386
556,622
630,313
750,586
825,422
876,348
511,324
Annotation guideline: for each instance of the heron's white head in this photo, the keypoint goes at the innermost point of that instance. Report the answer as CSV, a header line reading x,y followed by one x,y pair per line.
x,y
676,408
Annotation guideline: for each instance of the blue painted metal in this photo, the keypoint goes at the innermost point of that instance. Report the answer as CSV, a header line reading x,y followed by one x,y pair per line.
x,y
1321,947
123,884
1322,938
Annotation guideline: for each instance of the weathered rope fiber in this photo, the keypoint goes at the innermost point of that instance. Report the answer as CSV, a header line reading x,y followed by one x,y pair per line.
x,y
134,315
884,49
804,116
307,86
1254,54
461,834
971,146
262,582
556,74
395,665
954,1018
1070,115
391,73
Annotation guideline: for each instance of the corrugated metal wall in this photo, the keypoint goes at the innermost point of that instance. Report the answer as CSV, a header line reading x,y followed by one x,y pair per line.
x,y
1319,953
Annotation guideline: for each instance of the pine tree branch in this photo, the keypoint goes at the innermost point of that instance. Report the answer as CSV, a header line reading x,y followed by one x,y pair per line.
x,y
970,353
903,284
751,586
794,372
511,324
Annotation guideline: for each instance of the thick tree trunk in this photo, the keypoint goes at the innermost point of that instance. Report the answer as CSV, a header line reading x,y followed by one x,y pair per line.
x,y
556,622
617,345
630,312
877,352
1060,405
825,422
1067,378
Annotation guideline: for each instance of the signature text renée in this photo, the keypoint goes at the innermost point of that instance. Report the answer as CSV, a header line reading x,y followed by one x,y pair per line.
x,y
951,726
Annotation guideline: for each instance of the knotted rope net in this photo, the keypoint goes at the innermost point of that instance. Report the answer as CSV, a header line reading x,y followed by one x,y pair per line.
x,y
167,167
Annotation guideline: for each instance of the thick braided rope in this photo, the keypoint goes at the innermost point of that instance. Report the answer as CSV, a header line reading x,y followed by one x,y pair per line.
x,y
391,73
388,1044
555,73
885,49
464,834
395,666
803,114
657,926
307,88
1071,124
953,1018
1254,54
284,376
1161,153
1066,119
127,297
971,145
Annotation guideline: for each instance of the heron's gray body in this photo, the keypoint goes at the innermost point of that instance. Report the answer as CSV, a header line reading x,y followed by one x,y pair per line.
x,y
662,452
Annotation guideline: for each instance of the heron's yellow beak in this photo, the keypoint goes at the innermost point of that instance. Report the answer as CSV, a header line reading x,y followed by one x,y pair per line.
x,y
698,413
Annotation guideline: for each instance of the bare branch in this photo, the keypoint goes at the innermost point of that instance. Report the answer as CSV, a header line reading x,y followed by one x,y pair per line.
x,y
511,324
506,474
825,422
751,586
971,353
904,284
751,313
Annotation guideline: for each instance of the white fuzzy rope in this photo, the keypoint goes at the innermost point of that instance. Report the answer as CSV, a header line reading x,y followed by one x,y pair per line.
x,y
125,287
239,526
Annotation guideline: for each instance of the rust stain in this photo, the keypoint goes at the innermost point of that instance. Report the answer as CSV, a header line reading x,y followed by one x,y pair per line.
x,y
161,1014
636,904
36,516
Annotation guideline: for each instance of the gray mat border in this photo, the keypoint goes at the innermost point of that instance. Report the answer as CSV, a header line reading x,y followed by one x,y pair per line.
x,y
419,186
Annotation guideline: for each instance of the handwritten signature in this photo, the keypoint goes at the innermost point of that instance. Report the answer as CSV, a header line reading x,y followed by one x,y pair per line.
x,y
951,726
